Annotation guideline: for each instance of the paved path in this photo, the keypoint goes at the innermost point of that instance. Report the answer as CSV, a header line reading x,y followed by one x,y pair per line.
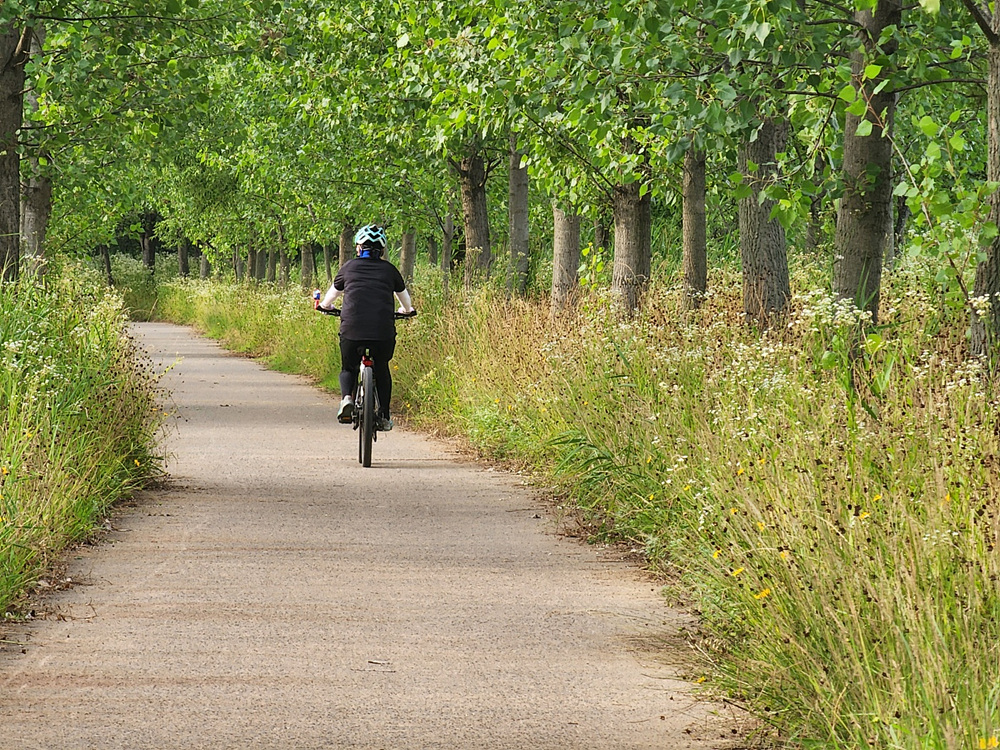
x,y
274,594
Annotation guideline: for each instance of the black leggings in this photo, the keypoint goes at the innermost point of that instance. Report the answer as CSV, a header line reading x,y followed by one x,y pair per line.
x,y
350,363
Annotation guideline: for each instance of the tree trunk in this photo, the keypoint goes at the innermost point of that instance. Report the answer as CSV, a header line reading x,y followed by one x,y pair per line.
x,y
766,288
693,229
565,259
985,316
183,260
307,270
432,250
260,270
347,242
13,49
252,254
328,262
472,180
106,263
271,275
36,189
517,208
205,267
446,250
148,251
864,222
633,247
408,256
600,235
284,266
239,265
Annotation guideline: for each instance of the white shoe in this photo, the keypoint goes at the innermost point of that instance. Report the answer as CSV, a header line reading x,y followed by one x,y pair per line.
x,y
346,412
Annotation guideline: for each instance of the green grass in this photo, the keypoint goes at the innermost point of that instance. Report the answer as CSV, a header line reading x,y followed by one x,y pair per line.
x,y
833,517
78,418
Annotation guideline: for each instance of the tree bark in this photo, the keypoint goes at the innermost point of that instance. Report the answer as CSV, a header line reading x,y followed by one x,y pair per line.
x,y
205,267
432,250
695,244
600,235
408,256
36,190
472,181
239,265
284,266
864,222
633,247
260,268
347,242
106,263
446,250
565,259
183,257
328,262
13,49
517,209
763,251
252,254
985,315
148,251
307,267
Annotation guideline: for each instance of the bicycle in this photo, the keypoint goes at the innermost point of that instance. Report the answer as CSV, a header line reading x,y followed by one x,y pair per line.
x,y
366,403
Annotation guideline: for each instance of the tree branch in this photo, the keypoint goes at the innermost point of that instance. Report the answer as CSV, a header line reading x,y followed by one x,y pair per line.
x,y
923,84
983,18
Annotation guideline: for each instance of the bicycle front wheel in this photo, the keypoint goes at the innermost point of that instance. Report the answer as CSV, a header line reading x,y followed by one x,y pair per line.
x,y
367,431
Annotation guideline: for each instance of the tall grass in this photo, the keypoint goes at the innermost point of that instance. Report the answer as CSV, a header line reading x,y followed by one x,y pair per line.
x,y
826,492
78,422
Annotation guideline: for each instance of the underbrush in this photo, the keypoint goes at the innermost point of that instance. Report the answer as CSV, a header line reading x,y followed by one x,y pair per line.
x,y
79,418
825,491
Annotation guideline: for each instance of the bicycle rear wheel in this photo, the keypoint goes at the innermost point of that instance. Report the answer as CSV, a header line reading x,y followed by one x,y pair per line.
x,y
367,431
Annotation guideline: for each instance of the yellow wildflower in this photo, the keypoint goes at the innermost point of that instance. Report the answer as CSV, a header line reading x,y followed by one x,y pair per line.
x,y
5,471
876,498
783,554
715,555
740,471
763,594
737,572
136,461
760,526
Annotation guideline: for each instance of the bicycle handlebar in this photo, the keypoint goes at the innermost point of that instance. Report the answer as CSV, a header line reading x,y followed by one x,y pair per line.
x,y
335,312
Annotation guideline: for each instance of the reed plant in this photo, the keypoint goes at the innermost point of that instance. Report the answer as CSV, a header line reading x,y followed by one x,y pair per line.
x,y
79,418
824,491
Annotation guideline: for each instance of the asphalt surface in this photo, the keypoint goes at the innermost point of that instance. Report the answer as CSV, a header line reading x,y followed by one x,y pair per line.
x,y
275,594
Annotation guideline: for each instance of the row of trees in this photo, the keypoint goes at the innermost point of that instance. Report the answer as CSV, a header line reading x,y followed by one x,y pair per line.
x,y
251,125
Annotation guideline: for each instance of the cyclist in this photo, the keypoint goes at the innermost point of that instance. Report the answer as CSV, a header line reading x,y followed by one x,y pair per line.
x,y
367,283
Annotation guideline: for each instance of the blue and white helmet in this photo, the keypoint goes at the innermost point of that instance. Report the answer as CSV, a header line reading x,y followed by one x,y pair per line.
x,y
371,236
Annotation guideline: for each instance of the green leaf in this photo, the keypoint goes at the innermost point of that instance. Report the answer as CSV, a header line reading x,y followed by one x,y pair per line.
x,y
858,108
872,71
403,41
931,6
864,129
957,142
848,93
928,126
